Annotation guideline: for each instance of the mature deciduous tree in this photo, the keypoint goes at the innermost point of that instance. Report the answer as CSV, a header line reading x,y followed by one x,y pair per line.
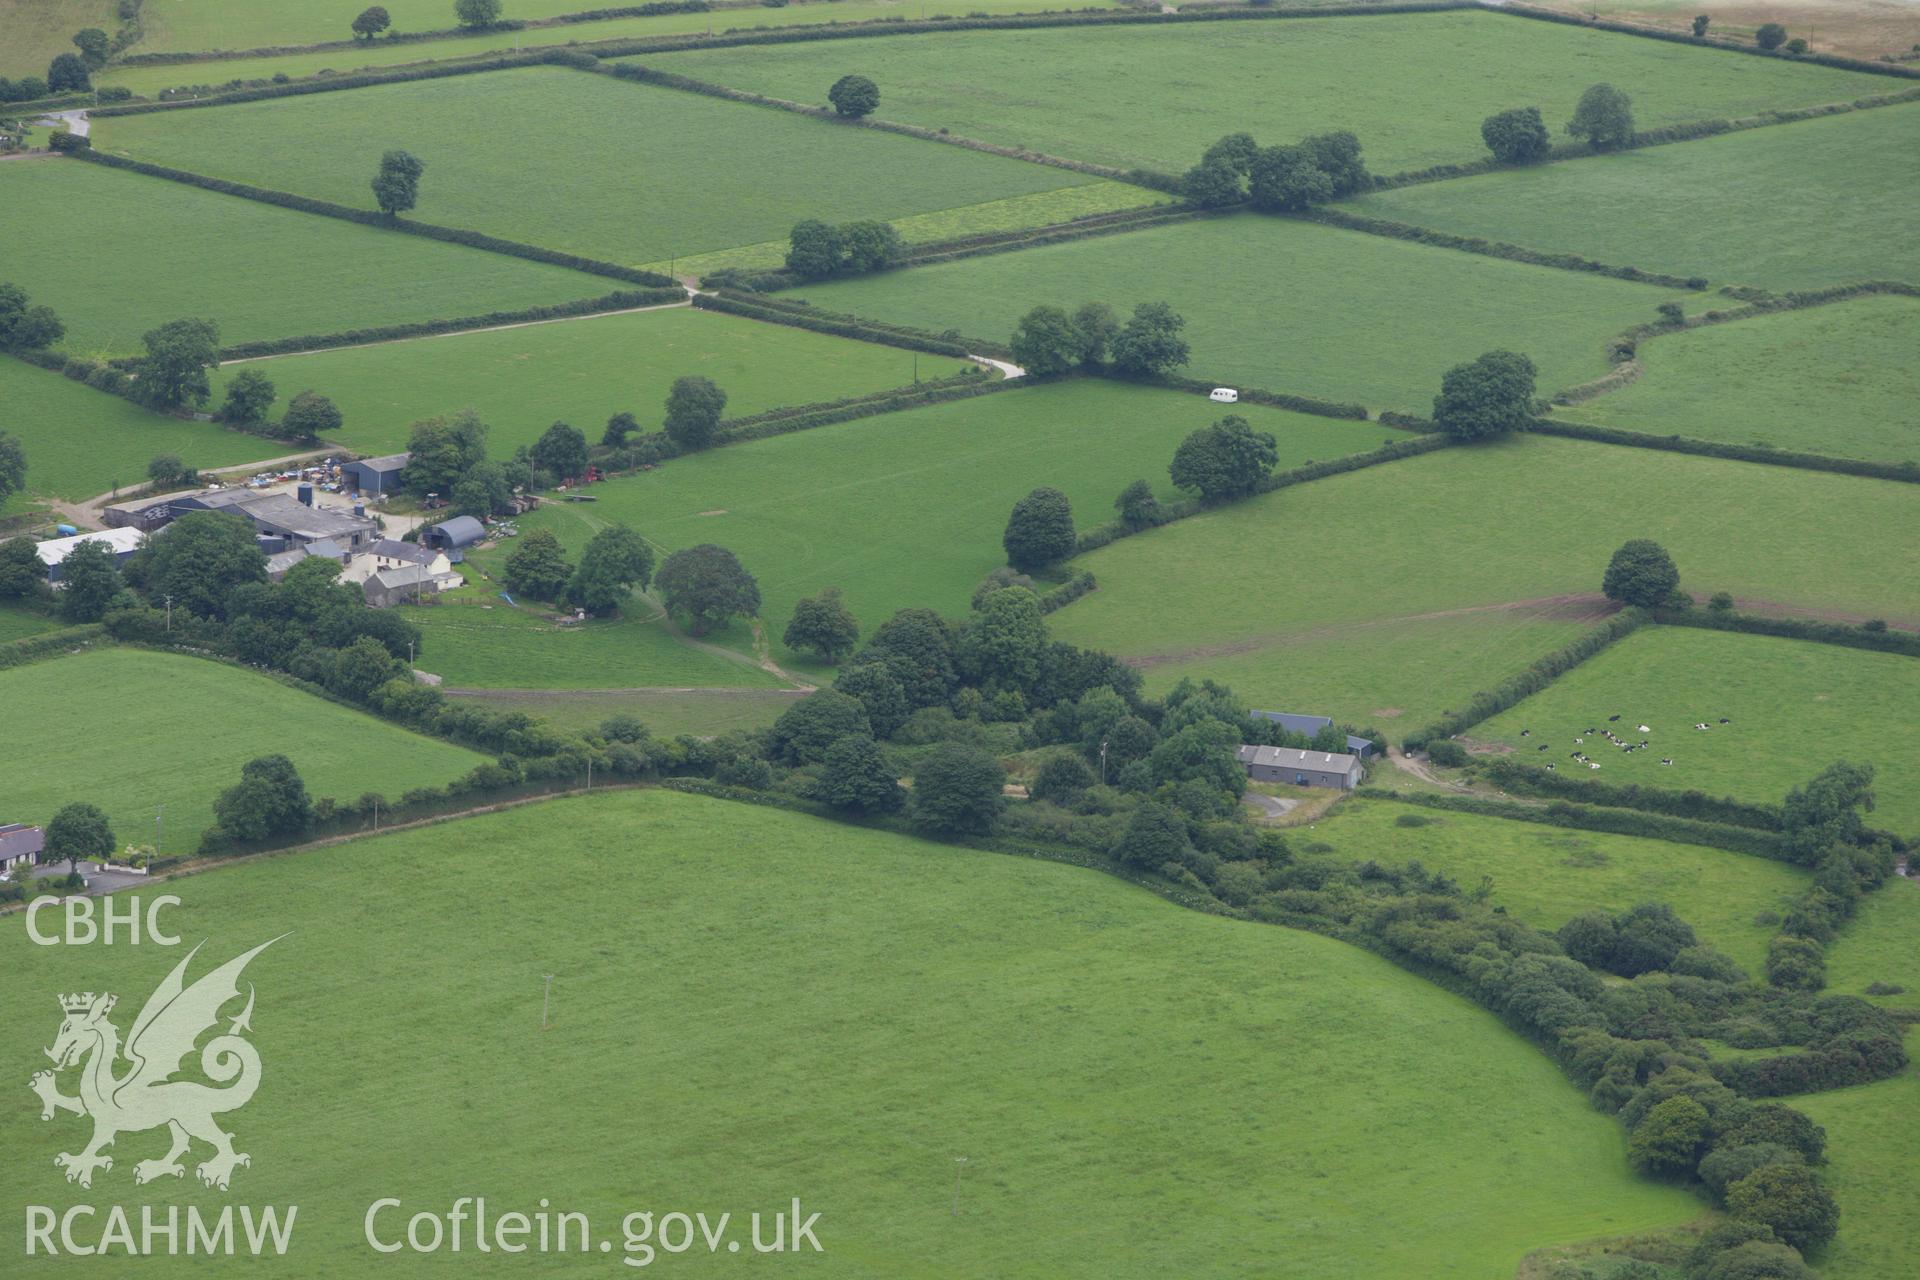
x,y
822,625
1604,117
957,790
68,73
1770,36
805,730
707,585
870,246
1287,179
78,831
1046,342
1486,397
94,46
396,186
1641,573
13,467
476,13
854,96
308,416
694,406
1224,461
1787,1198
24,327
537,566
814,250
441,450
249,396
855,775
371,22
1517,136
1039,532
878,691
483,491
270,800
561,451
204,556
89,578
173,373
615,561
21,571
1150,346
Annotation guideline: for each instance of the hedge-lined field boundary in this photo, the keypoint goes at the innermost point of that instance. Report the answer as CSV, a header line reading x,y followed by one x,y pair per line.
x,y
964,387
18,653
607,304
1531,779
1539,674
1275,399
1496,249
802,316
1619,822
1845,635
1767,455
667,80
1067,592
374,218
1522,10
1113,530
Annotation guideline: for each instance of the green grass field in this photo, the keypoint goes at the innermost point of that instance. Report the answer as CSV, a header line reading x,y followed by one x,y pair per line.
x,y
1835,380
81,442
1877,945
170,250
17,623
584,371
1526,520
1799,206
1796,707
1027,1023
667,712
1547,875
1157,97
190,26
678,174
314,23
129,731
1306,308
37,31
473,646
907,509
1872,1132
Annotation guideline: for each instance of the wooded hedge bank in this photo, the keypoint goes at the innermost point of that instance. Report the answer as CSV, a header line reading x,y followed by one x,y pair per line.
x,y
801,316
374,218
1539,674
18,653
1529,779
619,300
1905,472
1496,248
1619,822
1845,634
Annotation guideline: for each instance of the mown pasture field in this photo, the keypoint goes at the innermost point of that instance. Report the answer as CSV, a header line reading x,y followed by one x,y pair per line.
x,y
502,647
668,713
1030,1027
260,272
1821,202
17,623
1836,380
194,26
1526,520
523,379
1795,708
40,30
1877,945
1430,80
81,442
95,727
1306,309
677,174
1546,875
907,509
313,24
1872,1132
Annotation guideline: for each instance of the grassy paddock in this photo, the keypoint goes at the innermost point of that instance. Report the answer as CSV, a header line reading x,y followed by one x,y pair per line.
x,y
17,623
583,372
1520,521
1029,1026
1877,945
153,251
81,442
1414,87
37,31
1547,875
308,24
1306,308
1872,1132
1820,202
1796,707
907,509
1836,380
218,717
671,173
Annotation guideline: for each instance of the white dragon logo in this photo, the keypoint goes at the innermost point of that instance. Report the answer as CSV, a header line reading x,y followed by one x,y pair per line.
x,y
173,1018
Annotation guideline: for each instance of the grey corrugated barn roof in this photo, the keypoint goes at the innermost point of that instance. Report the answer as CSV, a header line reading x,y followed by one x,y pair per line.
x,y
388,462
461,530
1294,758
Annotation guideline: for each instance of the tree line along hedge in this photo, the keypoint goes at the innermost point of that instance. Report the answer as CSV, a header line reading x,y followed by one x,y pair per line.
x,y
800,316
1620,822
1538,675
1878,639
1496,248
374,218
1113,530
1906,472
1278,399
1532,780
619,300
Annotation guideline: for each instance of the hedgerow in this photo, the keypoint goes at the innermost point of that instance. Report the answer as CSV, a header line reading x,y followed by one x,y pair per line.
x,y
1532,780
1619,822
1881,639
1067,592
1278,399
1541,673
620,300
800,316
374,218
32,648
1495,248
1705,42
1907,472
